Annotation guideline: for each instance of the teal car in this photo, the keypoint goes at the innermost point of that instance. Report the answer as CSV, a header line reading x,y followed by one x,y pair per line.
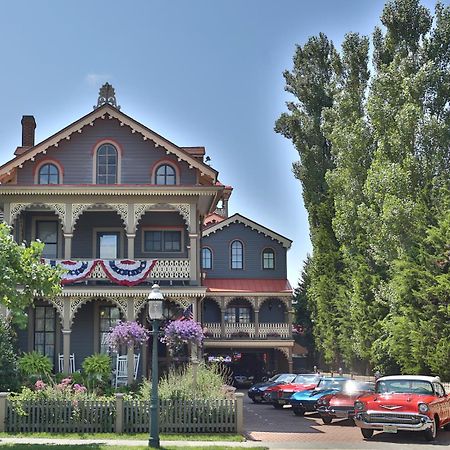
x,y
306,401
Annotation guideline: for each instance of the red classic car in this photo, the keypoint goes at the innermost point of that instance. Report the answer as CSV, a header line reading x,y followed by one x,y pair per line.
x,y
404,403
340,405
279,395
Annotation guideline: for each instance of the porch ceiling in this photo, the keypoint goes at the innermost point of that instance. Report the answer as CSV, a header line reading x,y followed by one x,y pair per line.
x,y
248,343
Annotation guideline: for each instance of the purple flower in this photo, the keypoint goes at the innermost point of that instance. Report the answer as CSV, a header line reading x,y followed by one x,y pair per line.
x,y
79,388
130,334
181,332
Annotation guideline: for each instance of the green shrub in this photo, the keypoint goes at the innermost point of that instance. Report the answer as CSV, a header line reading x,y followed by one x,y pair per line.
x,y
9,380
97,371
34,366
180,384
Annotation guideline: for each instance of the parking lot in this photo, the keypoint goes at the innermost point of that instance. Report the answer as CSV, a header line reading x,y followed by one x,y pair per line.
x,y
283,429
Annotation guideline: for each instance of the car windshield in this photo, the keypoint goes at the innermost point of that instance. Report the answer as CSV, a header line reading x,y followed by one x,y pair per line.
x,y
404,387
306,379
325,383
352,387
288,377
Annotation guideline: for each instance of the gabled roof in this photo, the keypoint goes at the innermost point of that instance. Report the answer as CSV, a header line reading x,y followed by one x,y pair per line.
x,y
237,218
103,112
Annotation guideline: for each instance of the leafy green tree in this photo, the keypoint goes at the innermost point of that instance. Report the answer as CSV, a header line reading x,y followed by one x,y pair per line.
x,y
9,379
23,276
375,172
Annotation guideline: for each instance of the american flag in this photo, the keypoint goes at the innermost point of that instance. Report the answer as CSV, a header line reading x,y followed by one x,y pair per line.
x,y
188,313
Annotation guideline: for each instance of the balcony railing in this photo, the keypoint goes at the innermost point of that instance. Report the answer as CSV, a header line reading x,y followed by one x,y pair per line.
x,y
248,330
164,269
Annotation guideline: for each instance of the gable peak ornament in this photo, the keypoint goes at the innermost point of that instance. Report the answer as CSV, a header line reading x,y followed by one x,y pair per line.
x,y
107,95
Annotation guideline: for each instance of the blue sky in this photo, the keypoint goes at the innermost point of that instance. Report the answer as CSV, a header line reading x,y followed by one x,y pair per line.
x,y
199,72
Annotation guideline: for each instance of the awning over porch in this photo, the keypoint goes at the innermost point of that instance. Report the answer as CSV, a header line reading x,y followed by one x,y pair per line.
x,y
247,285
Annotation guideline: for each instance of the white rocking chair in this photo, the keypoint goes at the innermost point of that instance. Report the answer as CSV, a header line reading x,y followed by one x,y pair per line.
x,y
71,363
122,369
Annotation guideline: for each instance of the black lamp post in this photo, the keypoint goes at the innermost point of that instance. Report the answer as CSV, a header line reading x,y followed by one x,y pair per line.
x,y
155,312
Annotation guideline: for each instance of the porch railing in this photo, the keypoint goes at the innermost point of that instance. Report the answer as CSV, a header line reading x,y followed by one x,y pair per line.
x,y
248,330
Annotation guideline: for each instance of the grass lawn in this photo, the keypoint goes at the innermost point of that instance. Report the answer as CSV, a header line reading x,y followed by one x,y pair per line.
x,y
139,436
106,447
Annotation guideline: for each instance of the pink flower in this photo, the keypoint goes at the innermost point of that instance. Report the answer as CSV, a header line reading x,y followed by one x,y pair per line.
x,y
66,381
39,385
79,389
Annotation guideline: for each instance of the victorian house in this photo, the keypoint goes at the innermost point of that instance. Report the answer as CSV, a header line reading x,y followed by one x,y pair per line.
x,y
121,207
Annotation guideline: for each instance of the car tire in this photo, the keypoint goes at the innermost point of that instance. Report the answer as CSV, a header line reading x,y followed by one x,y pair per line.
x,y
327,420
256,401
299,411
277,406
431,433
367,433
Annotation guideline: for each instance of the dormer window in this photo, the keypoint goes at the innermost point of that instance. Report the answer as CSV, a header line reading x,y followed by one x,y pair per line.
x,y
165,175
237,255
48,174
107,164
268,259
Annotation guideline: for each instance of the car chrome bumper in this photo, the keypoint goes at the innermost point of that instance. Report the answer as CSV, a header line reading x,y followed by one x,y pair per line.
x,y
338,413
424,422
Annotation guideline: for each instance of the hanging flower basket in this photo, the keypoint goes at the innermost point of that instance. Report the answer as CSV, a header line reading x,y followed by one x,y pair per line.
x,y
129,334
180,332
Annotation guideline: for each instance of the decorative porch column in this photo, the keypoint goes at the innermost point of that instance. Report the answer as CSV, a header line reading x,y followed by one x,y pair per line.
x,y
66,332
256,323
222,323
290,362
68,245
291,313
130,350
194,249
7,213
130,247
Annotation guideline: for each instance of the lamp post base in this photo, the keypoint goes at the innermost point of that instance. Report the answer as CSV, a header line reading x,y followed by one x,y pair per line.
x,y
154,442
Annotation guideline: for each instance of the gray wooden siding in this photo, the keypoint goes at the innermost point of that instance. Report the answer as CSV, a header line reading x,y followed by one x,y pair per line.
x,y
76,156
83,236
163,220
82,336
254,243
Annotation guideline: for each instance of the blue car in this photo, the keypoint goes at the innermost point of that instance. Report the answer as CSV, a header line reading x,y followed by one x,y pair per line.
x,y
306,401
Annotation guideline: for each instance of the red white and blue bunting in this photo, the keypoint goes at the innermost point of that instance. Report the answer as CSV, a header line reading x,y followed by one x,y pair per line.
x,y
127,272
124,272
76,270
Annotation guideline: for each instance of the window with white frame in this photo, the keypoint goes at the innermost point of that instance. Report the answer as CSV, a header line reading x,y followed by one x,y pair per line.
x,y
107,164
162,240
48,174
206,258
47,233
237,255
165,175
268,259
45,331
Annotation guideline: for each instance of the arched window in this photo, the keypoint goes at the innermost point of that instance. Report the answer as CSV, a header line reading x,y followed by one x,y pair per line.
x,y
268,259
165,174
48,174
206,258
107,164
237,255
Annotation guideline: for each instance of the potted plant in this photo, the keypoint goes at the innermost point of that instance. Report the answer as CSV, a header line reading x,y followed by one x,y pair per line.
x,y
128,334
180,332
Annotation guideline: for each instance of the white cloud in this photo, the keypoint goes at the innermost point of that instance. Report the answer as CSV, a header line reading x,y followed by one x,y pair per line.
x,y
97,79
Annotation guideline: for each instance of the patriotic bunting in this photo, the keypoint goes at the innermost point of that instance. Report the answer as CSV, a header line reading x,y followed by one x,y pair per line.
x,y
76,270
126,272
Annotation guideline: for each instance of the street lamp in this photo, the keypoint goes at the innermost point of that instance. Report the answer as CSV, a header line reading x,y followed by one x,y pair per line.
x,y
155,313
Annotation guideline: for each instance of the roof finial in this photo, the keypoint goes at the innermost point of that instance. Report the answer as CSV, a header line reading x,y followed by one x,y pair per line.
x,y
107,95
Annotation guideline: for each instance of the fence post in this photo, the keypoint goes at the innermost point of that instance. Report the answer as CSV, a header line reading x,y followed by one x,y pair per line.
x,y
119,413
239,412
3,406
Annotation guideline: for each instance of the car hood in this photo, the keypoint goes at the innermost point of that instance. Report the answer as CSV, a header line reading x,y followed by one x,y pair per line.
x,y
312,394
393,402
266,385
344,399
